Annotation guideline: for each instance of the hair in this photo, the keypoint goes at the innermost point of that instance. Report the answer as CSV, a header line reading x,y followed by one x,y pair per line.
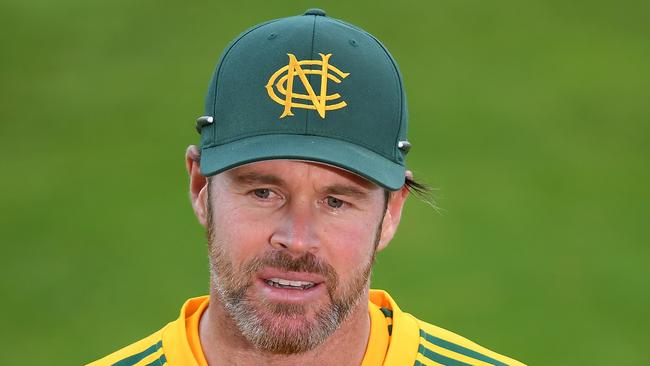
x,y
422,191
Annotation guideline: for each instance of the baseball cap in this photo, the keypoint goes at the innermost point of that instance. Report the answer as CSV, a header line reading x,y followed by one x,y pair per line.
x,y
307,87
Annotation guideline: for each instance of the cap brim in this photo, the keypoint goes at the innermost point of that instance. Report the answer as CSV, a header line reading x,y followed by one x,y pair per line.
x,y
351,157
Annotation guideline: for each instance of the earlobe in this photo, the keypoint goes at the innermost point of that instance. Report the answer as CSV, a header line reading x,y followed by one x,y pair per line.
x,y
200,206
392,217
386,231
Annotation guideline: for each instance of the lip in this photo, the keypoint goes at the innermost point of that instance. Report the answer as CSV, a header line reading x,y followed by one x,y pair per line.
x,y
267,273
289,295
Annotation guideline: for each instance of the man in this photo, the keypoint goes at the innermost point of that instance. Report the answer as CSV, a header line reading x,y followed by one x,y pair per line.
x,y
300,180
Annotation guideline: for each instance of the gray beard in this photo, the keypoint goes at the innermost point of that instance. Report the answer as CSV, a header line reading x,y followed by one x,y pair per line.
x,y
261,329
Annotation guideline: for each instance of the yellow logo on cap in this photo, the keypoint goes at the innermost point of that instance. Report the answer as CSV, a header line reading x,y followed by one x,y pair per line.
x,y
293,69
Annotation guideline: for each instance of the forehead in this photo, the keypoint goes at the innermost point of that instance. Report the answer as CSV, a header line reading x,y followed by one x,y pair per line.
x,y
298,171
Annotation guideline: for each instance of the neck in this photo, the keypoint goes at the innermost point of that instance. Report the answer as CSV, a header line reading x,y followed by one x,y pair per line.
x,y
223,343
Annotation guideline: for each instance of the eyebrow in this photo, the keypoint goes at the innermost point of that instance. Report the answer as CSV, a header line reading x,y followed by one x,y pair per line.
x,y
251,178
346,190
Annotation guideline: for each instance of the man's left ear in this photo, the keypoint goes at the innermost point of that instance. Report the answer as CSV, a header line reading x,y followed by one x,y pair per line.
x,y
198,184
393,214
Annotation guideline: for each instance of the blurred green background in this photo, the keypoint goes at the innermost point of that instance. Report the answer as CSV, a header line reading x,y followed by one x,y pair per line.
x,y
531,118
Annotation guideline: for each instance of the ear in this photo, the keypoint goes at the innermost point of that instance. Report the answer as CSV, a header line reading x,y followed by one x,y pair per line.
x,y
393,214
198,184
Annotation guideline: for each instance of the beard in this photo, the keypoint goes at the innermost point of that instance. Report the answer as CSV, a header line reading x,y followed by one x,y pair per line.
x,y
276,327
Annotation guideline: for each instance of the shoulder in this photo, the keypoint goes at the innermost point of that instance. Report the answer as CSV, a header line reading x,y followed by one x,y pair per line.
x,y
416,342
170,345
148,349
440,346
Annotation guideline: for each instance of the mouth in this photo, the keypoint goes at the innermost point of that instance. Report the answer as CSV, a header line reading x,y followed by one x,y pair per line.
x,y
289,284
291,287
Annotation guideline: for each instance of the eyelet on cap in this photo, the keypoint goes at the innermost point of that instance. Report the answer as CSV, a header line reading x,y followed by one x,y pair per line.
x,y
405,146
315,11
203,121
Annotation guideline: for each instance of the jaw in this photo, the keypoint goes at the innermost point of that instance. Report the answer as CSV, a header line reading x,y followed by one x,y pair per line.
x,y
226,333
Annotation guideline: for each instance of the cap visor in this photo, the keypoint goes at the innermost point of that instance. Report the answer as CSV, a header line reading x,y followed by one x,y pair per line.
x,y
348,156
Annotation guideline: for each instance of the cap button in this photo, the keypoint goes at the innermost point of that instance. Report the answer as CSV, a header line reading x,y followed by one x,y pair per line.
x,y
315,11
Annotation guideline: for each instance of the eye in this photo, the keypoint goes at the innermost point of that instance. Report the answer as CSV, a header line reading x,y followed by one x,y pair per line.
x,y
263,193
334,202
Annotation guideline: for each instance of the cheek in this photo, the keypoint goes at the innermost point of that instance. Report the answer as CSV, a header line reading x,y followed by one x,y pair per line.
x,y
349,247
242,236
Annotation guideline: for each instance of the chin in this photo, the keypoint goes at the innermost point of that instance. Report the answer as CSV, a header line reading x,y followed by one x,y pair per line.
x,y
286,328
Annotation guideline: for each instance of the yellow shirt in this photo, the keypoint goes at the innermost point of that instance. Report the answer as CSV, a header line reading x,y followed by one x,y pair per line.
x,y
396,339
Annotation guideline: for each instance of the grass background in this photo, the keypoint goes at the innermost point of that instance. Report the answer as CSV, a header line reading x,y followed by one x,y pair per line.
x,y
531,117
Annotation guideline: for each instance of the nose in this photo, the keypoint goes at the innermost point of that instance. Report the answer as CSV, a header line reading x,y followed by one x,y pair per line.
x,y
296,229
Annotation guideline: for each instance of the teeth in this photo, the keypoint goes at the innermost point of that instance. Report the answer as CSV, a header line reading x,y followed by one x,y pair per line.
x,y
280,282
290,283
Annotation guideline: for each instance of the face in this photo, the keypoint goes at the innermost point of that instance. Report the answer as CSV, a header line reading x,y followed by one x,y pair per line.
x,y
291,248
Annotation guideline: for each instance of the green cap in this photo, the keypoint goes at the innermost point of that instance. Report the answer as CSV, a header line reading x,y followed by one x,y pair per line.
x,y
307,87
